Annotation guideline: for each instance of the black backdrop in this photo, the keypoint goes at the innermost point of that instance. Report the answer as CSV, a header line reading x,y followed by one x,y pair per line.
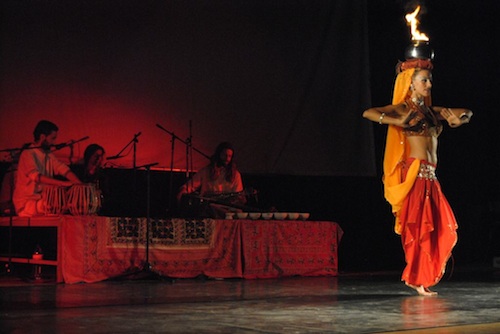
x,y
285,81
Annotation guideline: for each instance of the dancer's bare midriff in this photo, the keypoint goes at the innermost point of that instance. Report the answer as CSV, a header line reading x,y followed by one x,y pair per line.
x,y
423,148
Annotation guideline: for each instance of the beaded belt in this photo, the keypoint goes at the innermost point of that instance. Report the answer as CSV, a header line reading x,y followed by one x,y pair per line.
x,y
427,172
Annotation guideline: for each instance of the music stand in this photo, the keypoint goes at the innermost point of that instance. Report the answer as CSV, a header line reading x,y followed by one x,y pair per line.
x,y
147,266
147,271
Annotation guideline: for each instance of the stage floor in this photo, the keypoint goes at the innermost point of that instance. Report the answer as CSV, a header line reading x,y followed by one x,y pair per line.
x,y
378,302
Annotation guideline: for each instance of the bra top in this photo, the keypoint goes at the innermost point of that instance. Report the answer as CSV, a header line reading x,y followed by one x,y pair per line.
x,y
424,123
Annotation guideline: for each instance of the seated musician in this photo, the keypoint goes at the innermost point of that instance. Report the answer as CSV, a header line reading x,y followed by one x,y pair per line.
x,y
91,171
219,183
38,168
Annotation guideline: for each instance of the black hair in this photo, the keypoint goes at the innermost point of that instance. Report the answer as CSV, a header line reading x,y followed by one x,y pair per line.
x,y
215,161
44,128
215,158
89,151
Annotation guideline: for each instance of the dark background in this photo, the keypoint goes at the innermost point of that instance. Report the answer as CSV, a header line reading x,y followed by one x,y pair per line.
x,y
272,77
466,75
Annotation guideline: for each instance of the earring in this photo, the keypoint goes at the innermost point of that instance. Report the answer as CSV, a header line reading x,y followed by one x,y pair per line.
x,y
411,87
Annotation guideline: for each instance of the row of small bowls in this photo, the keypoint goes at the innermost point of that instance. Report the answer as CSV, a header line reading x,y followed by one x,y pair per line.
x,y
268,215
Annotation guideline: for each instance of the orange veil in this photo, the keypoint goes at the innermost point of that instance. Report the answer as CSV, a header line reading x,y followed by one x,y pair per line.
x,y
397,148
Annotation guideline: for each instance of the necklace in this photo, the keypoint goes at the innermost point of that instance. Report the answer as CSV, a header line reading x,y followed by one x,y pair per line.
x,y
417,101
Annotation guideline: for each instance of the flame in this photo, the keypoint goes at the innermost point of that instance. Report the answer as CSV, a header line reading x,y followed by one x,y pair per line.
x,y
413,23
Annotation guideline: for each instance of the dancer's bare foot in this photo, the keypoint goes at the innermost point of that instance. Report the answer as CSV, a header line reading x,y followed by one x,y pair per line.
x,y
421,290
432,293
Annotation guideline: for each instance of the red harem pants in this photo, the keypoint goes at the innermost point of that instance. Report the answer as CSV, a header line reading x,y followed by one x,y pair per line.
x,y
428,228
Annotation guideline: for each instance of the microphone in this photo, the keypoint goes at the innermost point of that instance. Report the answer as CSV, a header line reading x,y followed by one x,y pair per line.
x,y
161,127
63,145
69,143
135,140
114,157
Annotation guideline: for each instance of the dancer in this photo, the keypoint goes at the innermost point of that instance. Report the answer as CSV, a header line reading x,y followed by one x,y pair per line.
x,y
424,218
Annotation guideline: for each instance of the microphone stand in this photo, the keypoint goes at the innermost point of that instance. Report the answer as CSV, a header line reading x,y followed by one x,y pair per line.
x,y
134,152
183,141
134,141
25,147
70,144
147,266
171,177
170,186
174,137
189,153
189,145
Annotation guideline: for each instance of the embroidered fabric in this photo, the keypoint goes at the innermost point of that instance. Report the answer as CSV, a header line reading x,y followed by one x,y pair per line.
x,y
424,121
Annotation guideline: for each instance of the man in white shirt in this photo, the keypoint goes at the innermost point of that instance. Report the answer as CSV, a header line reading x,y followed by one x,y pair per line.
x,y
37,168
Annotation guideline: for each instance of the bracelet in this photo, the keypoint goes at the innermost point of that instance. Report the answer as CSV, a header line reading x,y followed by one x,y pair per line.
x,y
382,115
